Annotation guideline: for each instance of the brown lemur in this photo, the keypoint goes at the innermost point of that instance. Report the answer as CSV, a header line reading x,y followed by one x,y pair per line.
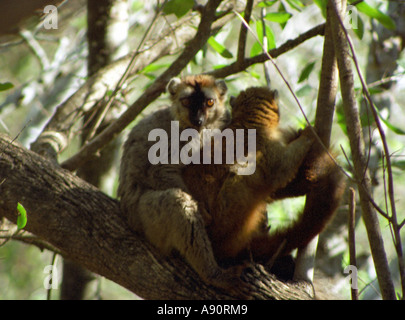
x,y
154,197
284,168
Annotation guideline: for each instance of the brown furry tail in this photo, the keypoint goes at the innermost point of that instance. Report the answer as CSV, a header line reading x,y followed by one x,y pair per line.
x,y
326,187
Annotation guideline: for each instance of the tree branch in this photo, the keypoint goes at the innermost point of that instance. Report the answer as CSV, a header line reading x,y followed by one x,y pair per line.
x,y
243,32
56,134
351,235
387,155
323,126
356,140
152,92
274,53
86,226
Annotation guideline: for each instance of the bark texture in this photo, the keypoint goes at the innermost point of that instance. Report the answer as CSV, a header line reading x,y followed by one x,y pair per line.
x,y
86,226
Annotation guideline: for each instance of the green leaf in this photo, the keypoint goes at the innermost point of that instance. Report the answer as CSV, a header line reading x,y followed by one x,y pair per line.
x,y
154,67
400,164
257,48
306,72
341,120
254,74
271,42
148,70
282,9
375,90
219,48
22,216
296,4
279,17
178,7
381,17
359,28
390,125
304,90
219,66
366,120
271,39
266,4
136,5
6,86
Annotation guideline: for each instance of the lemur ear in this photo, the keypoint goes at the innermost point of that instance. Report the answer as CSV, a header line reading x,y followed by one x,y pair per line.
x,y
173,86
275,95
232,101
222,87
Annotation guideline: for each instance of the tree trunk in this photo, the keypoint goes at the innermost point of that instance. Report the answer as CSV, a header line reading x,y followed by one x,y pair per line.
x,y
362,176
87,227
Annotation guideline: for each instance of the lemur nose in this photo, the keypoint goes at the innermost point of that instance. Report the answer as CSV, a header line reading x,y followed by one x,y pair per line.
x,y
198,122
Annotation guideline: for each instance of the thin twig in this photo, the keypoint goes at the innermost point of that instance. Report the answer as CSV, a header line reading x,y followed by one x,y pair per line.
x,y
124,77
243,32
15,138
393,217
276,66
30,239
360,183
385,184
274,257
357,146
51,279
352,238
266,68
36,48
385,80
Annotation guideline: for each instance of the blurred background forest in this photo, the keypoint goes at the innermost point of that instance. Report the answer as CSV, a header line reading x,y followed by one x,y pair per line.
x,y
42,66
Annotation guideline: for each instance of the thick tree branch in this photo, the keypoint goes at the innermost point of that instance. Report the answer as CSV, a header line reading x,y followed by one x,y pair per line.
x,y
243,32
86,226
328,84
323,126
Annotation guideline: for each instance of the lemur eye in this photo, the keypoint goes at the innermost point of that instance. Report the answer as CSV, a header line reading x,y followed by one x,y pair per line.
x,y
186,102
210,102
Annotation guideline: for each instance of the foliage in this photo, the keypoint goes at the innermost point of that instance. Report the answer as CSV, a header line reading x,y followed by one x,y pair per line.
x,y
22,216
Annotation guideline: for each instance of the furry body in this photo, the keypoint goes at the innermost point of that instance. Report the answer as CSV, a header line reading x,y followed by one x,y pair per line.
x,y
154,197
237,203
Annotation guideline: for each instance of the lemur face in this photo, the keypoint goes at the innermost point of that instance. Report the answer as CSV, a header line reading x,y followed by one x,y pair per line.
x,y
198,101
